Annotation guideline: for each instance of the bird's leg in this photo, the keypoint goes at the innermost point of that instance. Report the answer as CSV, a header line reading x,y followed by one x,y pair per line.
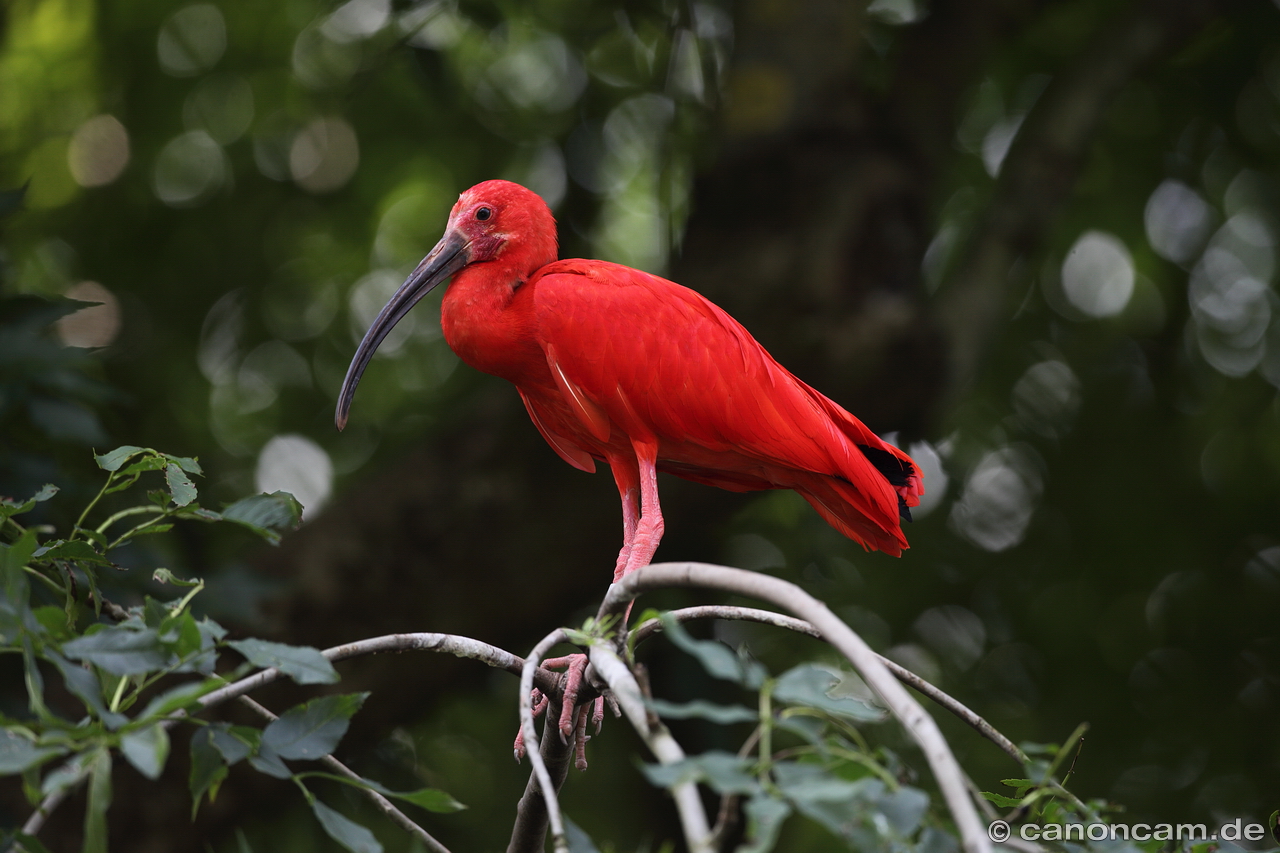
x,y
627,476
650,526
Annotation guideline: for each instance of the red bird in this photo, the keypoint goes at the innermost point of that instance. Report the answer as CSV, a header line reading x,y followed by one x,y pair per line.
x,y
622,366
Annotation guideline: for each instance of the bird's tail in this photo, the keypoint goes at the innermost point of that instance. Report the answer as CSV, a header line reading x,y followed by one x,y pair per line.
x,y
856,507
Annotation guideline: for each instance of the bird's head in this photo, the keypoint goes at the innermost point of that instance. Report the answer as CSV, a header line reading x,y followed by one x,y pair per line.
x,y
496,222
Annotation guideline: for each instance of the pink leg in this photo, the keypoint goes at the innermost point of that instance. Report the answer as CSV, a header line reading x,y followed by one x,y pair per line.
x,y
650,526
627,477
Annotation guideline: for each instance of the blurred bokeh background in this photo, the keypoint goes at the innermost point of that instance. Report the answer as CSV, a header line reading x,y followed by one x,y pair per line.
x,y
1037,241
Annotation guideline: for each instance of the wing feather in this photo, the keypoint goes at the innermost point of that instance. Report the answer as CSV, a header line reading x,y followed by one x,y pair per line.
x,y
654,357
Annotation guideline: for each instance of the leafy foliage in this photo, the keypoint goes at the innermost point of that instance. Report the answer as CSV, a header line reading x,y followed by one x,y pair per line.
x,y
147,669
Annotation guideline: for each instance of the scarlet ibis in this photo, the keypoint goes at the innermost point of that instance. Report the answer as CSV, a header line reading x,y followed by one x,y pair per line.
x,y
618,365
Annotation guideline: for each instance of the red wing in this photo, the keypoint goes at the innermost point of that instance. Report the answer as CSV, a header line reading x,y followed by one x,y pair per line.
x,y
657,357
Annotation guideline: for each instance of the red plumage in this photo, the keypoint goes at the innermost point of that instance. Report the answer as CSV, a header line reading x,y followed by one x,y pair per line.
x,y
622,366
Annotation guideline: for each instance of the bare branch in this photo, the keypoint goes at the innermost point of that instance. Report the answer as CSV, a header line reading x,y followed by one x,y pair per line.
x,y
463,647
384,805
923,729
660,742
906,676
529,833
540,772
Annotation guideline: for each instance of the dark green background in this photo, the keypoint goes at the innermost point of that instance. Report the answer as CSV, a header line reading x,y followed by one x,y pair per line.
x,y
1106,545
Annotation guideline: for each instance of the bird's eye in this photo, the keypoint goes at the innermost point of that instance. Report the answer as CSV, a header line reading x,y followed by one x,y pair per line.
x,y
484,213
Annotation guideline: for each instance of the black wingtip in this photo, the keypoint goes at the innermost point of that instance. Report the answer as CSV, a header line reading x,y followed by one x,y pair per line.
x,y
895,469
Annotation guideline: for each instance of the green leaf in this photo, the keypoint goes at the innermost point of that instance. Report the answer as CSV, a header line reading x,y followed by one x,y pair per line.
x,y
119,650
180,485
95,814
165,576
182,634
10,508
235,743
849,809
143,465
186,463
810,685
716,658
184,696
724,772
266,515
18,753
703,710
52,620
207,769
84,685
312,730
303,664
13,580
29,843
579,841
113,459
345,831
67,775
268,761
33,679
147,749
1002,801
765,816
74,550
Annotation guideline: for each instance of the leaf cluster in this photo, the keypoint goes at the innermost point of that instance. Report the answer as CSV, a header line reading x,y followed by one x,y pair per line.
x,y
138,672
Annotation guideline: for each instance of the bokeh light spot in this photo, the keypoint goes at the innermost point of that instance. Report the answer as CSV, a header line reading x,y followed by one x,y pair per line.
x,y
98,152
297,465
1098,274
357,19
324,155
999,499
1177,220
189,169
95,326
1047,397
192,40
367,298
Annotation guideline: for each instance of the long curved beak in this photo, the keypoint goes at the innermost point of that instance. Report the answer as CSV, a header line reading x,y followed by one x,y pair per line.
x,y
451,254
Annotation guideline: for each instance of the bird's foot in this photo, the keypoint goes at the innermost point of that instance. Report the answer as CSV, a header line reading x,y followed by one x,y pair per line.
x,y
573,719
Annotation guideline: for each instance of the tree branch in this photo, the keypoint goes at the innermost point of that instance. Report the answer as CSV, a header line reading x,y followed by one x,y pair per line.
x,y
750,614
947,772
615,673
529,833
463,647
532,745
384,805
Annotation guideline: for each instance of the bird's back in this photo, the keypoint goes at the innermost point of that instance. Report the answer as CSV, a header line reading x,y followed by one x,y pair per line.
x,y
639,356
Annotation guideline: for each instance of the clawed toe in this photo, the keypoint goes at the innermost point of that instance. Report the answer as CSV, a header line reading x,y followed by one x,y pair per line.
x,y
573,719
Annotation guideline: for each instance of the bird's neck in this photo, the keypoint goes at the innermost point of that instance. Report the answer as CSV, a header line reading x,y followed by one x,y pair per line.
x,y
483,323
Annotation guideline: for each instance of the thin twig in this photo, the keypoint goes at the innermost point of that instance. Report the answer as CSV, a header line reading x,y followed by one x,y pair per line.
x,y
540,771
919,724
463,647
906,676
384,805
660,742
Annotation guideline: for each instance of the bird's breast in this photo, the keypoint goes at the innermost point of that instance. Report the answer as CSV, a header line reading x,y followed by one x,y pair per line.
x,y
488,326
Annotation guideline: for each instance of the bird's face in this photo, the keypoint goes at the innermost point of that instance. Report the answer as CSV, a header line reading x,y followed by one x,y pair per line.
x,y
493,222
